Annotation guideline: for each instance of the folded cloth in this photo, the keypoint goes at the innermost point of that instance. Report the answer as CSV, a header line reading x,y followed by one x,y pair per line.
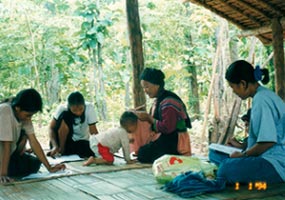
x,y
192,184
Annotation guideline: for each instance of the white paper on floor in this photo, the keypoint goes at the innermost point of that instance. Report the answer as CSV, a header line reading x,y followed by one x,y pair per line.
x,y
63,159
47,174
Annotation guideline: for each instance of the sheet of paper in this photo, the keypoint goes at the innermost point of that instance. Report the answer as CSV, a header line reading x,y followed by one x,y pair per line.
x,y
47,174
63,159
223,148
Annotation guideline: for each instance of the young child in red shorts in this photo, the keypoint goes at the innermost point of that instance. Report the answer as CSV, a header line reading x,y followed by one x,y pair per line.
x,y
105,144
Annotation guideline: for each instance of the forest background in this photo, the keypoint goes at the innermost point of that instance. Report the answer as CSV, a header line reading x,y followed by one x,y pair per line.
x,y
60,46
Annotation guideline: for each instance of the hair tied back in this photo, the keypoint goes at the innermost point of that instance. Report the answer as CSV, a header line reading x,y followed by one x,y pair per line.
x,y
257,73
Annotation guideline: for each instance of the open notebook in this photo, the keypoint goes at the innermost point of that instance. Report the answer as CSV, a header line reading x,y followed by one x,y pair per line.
x,y
223,148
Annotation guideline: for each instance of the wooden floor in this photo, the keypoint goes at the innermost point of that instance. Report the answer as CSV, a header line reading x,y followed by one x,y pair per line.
x,y
117,183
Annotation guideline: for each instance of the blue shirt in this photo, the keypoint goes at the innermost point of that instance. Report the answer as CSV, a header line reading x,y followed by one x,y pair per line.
x,y
267,124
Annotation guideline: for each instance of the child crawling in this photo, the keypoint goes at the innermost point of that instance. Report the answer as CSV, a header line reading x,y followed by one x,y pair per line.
x,y
105,144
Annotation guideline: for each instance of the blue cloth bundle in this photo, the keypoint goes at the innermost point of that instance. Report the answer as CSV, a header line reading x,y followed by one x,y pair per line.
x,y
192,184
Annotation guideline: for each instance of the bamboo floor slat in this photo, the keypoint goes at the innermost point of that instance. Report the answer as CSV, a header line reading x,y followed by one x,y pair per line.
x,y
121,182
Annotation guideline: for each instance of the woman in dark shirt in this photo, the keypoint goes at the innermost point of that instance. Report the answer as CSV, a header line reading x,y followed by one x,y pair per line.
x,y
168,117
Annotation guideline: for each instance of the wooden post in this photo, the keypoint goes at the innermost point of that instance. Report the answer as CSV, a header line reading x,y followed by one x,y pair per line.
x,y
278,49
232,122
135,37
208,104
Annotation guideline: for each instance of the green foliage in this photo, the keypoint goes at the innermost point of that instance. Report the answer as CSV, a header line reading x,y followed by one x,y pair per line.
x,y
57,6
46,44
93,29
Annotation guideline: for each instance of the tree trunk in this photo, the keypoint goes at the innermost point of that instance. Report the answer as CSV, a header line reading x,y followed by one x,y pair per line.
x,y
210,92
135,38
221,60
218,121
127,96
92,55
96,77
35,79
194,91
230,108
103,106
52,85
228,133
193,98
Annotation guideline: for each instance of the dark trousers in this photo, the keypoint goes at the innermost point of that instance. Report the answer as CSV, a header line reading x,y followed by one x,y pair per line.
x,y
80,147
165,144
23,165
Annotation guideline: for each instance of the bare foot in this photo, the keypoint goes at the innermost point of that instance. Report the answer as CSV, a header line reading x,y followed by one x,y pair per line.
x,y
91,160
101,161
98,161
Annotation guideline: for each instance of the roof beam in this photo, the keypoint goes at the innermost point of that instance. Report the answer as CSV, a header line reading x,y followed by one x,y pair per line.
x,y
276,10
201,3
254,9
225,2
264,40
262,30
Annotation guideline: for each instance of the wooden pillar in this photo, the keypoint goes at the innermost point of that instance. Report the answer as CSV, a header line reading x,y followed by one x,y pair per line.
x,y
135,38
278,49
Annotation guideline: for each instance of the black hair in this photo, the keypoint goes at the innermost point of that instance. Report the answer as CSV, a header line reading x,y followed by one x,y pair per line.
x,y
242,70
75,99
28,100
154,76
246,117
127,118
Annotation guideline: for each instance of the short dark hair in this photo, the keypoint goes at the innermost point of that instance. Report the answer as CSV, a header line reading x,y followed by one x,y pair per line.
x,y
242,70
28,100
127,118
75,98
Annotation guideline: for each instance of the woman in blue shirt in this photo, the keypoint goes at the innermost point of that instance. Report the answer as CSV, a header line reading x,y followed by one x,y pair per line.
x,y
264,158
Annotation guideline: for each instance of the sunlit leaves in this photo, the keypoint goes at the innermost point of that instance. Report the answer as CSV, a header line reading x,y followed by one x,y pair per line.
x,y
63,32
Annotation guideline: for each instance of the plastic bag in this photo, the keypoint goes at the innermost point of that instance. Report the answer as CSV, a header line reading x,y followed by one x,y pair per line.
x,y
167,167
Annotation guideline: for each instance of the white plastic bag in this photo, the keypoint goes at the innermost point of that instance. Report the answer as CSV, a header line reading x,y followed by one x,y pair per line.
x,y
168,167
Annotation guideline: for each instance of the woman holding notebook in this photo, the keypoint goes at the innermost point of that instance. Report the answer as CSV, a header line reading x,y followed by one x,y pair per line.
x,y
263,160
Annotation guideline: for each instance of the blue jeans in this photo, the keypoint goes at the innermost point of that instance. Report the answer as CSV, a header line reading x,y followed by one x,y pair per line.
x,y
245,169
217,157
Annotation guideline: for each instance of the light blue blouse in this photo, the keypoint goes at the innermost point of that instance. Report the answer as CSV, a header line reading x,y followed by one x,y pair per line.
x,y
267,124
